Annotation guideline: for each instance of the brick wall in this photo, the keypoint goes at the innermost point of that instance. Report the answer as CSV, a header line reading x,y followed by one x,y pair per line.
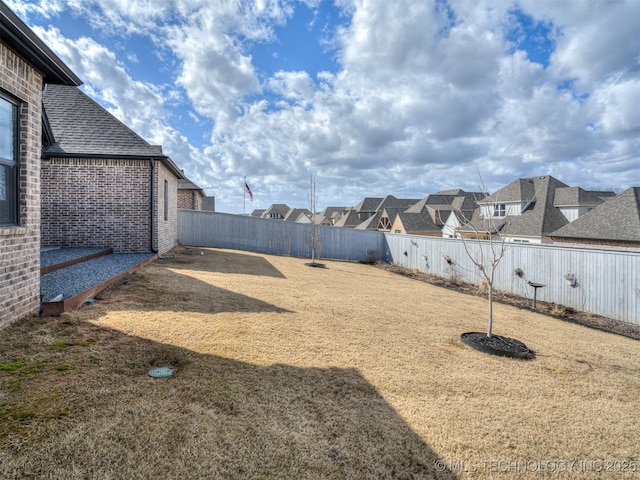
x,y
96,203
595,243
189,199
166,236
20,245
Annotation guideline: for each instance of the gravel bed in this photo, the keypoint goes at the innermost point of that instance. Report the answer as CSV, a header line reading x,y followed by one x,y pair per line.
x,y
60,255
77,278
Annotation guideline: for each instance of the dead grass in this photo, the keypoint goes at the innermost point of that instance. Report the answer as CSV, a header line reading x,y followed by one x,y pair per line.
x,y
286,371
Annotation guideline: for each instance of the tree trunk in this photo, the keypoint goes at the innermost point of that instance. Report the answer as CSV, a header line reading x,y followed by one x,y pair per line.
x,y
490,325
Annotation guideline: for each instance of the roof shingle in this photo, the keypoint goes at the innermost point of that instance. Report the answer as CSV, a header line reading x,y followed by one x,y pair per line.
x,y
616,219
82,127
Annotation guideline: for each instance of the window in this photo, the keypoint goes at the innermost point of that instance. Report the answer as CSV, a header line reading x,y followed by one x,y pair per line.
x,y
166,200
499,210
9,135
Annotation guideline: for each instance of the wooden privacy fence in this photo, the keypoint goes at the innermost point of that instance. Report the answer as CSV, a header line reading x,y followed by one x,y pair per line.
x,y
605,282
207,229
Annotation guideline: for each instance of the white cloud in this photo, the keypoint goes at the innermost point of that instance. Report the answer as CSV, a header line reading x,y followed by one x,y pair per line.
x,y
426,93
621,108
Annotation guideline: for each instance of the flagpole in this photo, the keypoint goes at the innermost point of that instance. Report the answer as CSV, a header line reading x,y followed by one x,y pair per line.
x,y
244,194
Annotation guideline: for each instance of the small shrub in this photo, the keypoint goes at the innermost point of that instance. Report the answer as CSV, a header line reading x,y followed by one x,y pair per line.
x,y
453,274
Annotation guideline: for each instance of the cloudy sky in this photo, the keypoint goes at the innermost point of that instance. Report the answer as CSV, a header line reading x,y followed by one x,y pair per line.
x,y
372,97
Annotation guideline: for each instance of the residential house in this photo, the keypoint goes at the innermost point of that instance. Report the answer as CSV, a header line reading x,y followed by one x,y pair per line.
x,y
329,216
428,216
257,213
277,211
367,207
390,207
574,202
333,214
190,195
521,212
26,64
384,212
102,184
614,223
348,218
300,215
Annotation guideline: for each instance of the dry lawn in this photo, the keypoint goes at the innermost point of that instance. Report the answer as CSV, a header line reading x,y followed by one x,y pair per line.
x,y
290,372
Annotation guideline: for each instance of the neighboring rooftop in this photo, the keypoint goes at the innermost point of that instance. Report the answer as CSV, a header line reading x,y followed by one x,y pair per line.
x,y
576,196
616,219
294,214
186,184
534,196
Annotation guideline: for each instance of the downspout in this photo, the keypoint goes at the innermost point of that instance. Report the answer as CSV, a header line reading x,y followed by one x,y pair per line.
x,y
152,216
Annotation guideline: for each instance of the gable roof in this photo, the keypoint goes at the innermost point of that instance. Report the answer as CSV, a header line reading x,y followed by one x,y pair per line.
x,y
333,212
390,213
539,217
616,219
368,204
418,223
81,127
370,223
321,219
520,190
279,208
294,214
186,184
348,219
22,40
457,199
392,202
576,196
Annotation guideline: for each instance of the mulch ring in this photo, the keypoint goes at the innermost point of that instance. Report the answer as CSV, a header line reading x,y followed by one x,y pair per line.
x,y
497,345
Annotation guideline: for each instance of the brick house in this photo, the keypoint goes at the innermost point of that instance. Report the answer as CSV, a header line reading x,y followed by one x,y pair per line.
x,y
26,63
190,195
102,184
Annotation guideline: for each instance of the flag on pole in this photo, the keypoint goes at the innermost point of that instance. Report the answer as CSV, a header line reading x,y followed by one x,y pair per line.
x,y
248,190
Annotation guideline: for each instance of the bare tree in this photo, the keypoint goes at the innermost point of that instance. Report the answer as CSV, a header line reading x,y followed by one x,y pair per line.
x,y
485,239
313,204
487,257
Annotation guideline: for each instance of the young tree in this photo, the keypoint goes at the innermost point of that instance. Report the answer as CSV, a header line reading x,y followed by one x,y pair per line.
x,y
487,257
485,238
313,204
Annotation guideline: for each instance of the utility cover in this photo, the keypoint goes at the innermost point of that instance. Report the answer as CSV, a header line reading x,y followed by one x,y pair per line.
x,y
161,372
